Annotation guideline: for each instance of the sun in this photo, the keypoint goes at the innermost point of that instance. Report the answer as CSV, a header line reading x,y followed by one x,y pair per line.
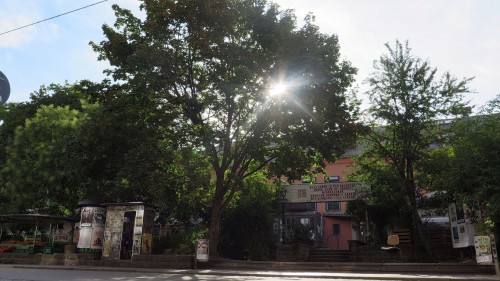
x,y
278,89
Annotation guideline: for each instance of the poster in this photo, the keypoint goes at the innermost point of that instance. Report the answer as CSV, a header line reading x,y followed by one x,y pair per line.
x,y
85,239
97,239
139,218
136,248
107,244
138,230
115,245
98,217
87,217
147,240
462,229
148,221
483,249
202,250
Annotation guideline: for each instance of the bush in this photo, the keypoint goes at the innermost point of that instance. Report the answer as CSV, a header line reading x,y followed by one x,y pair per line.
x,y
179,243
247,226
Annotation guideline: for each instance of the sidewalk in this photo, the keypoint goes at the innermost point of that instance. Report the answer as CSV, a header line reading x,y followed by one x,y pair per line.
x,y
260,273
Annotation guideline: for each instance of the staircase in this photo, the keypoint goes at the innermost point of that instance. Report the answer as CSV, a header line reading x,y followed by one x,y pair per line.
x,y
328,255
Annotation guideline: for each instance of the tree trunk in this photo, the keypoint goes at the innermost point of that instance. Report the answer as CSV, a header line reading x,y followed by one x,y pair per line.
x,y
420,231
214,227
417,220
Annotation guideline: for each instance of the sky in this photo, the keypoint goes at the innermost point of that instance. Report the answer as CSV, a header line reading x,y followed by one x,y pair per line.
x,y
459,36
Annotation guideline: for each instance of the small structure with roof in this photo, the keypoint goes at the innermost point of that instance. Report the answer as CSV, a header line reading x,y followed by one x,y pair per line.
x,y
128,230
55,231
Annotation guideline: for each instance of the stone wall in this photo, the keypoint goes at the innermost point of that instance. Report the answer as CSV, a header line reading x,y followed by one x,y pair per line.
x,y
296,252
89,259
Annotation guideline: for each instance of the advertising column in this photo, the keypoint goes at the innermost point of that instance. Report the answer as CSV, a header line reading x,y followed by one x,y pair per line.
x,y
91,232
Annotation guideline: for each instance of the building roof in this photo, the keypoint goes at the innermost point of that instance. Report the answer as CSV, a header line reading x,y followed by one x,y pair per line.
x,y
34,218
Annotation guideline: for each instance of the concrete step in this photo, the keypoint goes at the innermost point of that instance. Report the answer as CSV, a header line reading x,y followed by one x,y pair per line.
x,y
379,267
327,255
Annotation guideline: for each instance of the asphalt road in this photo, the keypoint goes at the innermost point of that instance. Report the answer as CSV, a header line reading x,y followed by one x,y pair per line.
x,y
25,274
54,273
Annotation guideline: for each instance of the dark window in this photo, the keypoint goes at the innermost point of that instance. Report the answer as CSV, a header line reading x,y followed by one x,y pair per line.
x,y
336,229
334,206
334,179
312,206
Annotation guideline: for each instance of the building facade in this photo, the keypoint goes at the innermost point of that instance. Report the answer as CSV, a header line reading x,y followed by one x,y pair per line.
x,y
331,227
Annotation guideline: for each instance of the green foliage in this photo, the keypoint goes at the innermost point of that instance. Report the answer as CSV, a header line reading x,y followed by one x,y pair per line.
x,y
386,205
407,103
298,232
58,128
14,115
474,171
40,160
247,225
179,242
103,143
185,195
212,63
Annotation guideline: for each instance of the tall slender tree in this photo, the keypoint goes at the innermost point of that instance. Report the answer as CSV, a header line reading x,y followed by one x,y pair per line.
x,y
214,62
408,104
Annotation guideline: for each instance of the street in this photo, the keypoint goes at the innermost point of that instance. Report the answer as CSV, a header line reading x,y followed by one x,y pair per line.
x,y
48,273
31,274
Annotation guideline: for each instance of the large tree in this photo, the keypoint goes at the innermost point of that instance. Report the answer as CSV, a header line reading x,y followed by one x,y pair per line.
x,y
214,62
408,105
16,153
96,141
39,169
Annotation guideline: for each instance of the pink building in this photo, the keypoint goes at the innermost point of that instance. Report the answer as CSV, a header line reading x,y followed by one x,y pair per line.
x,y
332,228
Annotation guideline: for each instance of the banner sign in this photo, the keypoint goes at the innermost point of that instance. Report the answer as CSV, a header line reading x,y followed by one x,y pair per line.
x,y
324,192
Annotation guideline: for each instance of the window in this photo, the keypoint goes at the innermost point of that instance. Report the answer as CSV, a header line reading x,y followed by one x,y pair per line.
x,y
334,179
334,206
336,229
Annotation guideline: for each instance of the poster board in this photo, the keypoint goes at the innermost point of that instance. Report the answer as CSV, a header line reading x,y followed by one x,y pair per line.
x,y
202,250
482,245
462,229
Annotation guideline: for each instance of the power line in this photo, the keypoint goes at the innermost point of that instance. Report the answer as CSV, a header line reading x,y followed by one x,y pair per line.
x,y
52,17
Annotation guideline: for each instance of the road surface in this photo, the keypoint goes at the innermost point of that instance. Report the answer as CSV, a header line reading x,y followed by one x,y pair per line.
x,y
54,273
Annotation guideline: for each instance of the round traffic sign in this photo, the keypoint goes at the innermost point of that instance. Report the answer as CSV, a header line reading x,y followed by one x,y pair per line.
x,y
4,88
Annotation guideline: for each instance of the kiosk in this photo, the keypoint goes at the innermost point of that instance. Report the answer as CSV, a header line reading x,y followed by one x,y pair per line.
x,y
128,230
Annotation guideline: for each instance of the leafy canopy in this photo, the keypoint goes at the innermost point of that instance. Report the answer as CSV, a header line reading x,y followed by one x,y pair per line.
x,y
213,63
408,105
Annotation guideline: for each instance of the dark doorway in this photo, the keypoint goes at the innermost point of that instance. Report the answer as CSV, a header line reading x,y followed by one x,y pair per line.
x,y
127,234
